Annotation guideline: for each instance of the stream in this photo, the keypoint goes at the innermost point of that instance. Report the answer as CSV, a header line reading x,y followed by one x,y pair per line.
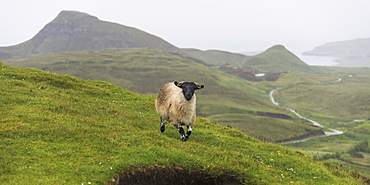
x,y
316,124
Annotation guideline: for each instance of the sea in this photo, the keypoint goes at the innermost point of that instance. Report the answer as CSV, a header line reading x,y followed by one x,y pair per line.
x,y
318,60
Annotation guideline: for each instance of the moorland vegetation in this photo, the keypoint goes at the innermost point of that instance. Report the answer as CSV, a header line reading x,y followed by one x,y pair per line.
x,y
58,129
56,124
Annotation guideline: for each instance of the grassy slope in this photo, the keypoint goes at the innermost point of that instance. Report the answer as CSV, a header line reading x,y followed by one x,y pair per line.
x,y
334,105
215,57
144,71
276,59
76,31
58,129
346,100
336,149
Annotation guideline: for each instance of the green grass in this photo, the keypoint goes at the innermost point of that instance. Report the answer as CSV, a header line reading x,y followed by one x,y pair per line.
x,y
58,129
260,127
355,133
342,101
331,104
215,57
276,59
238,100
146,70
353,167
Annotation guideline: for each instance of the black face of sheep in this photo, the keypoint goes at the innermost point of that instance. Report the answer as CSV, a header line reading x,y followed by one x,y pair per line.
x,y
188,88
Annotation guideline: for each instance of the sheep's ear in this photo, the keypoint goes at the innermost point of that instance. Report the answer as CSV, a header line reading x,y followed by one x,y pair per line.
x,y
198,86
179,84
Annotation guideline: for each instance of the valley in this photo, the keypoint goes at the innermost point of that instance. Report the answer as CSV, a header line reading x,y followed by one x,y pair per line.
x,y
87,77
59,129
240,103
347,113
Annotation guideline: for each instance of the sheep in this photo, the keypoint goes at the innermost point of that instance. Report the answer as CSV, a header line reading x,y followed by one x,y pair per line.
x,y
176,103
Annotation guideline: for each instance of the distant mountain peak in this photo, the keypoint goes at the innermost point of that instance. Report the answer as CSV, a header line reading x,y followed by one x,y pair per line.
x,y
77,31
67,22
70,15
349,53
277,47
276,58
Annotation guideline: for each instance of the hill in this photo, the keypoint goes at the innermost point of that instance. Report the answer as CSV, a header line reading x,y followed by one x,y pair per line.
x,y
76,31
59,129
340,104
215,57
276,59
343,49
239,102
338,101
351,53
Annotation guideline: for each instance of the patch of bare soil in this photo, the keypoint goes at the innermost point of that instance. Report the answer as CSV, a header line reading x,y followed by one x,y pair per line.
x,y
274,115
173,175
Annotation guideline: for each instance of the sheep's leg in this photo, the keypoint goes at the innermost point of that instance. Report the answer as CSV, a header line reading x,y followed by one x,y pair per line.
x,y
163,128
189,131
182,133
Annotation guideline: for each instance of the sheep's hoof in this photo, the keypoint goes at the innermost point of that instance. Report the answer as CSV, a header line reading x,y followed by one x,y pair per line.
x,y
163,128
188,133
185,138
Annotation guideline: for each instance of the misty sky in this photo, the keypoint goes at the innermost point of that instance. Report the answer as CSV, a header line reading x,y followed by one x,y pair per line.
x,y
230,25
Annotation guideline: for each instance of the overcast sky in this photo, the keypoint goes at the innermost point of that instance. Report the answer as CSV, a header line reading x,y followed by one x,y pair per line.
x,y
230,25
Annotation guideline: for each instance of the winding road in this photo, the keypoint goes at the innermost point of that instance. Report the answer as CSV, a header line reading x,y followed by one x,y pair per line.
x,y
333,131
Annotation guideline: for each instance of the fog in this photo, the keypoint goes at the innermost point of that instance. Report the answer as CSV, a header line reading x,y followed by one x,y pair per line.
x,y
229,25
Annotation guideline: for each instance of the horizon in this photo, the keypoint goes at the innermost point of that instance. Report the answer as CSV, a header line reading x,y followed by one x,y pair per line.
x,y
231,26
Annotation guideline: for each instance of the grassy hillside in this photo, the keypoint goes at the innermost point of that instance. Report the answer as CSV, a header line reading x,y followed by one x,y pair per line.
x,y
276,59
76,31
58,129
215,57
342,105
347,150
145,71
334,101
